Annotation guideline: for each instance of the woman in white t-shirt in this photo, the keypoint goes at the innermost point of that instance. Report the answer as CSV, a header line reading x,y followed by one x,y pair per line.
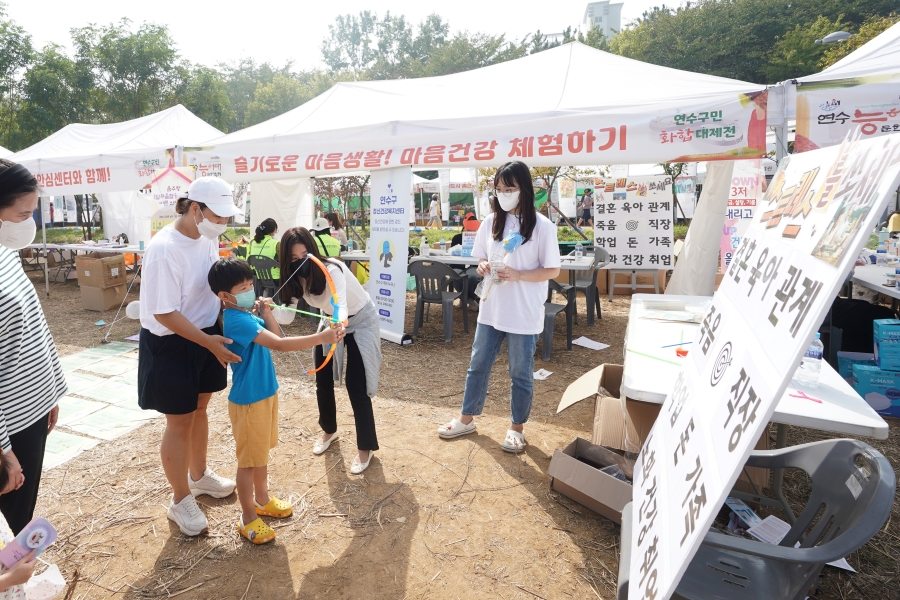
x,y
512,309
302,278
182,352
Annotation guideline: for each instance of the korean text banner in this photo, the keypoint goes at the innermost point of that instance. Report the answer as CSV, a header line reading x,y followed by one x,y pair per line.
x,y
388,244
747,184
828,111
728,130
633,221
804,237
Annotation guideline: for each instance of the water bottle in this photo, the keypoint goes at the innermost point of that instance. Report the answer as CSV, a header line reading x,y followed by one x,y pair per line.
x,y
443,245
579,251
349,245
808,373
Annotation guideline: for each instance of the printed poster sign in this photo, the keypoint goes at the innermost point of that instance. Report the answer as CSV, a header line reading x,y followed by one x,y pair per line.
x,y
829,110
802,241
165,190
633,221
388,243
747,183
702,132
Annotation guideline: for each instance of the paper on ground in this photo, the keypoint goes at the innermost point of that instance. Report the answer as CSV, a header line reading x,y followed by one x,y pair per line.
x,y
589,343
743,511
542,374
772,530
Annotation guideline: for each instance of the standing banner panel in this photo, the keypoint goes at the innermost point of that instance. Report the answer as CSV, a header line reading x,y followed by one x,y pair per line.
x,y
166,188
445,195
807,231
829,110
633,221
389,240
746,188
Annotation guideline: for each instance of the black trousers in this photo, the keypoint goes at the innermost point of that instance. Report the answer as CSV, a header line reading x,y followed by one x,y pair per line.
x,y
355,380
28,445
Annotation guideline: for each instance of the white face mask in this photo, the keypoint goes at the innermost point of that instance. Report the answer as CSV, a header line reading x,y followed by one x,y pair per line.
x,y
16,236
210,230
508,201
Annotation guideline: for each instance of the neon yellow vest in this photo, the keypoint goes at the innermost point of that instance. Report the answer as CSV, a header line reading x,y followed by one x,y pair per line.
x,y
268,248
328,246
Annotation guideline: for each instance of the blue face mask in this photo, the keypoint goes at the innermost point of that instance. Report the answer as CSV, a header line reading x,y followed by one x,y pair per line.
x,y
245,299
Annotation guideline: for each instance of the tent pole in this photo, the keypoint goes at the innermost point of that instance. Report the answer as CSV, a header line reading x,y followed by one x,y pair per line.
x,y
780,143
46,256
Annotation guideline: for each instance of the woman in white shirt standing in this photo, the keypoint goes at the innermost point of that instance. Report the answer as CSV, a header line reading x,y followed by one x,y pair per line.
x,y
302,278
512,309
182,357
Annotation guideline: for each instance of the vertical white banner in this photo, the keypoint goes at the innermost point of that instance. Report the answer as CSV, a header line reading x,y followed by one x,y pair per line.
x,y
388,248
445,194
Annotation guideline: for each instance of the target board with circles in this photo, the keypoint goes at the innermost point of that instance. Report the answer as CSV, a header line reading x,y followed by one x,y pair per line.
x,y
633,221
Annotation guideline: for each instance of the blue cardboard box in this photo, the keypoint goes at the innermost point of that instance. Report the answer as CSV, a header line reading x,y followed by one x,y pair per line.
x,y
846,360
886,329
880,388
886,335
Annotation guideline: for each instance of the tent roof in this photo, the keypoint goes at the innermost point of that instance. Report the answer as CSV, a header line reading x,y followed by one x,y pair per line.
x,y
880,56
4,152
566,80
176,126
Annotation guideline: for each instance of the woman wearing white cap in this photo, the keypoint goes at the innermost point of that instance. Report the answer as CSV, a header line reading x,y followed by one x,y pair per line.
x,y
183,357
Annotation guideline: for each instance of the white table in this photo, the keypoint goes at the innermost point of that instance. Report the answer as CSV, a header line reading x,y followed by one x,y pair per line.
x,y
73,248
834,407
874,278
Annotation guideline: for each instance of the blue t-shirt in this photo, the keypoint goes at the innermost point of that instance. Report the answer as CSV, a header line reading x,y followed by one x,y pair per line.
x,y
254,377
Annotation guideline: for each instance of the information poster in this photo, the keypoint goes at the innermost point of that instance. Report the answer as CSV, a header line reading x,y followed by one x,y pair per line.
x,y
388,243
633,221
165,190
806,233
747,181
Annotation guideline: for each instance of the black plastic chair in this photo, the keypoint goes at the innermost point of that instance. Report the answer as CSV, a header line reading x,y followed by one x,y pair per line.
x,y
550,312
852,492
434,285
586,283
240,252
264,279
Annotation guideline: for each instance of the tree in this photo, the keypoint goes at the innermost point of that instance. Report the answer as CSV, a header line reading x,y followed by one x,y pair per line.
x,y
595,38
203,92
242,78
872,28
796,53
284,93
674,170
15,55
349,45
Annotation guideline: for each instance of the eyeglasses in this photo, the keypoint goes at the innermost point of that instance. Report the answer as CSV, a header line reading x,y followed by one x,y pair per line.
x,y
508,193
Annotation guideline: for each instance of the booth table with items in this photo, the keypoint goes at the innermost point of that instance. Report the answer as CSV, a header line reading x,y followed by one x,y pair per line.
x,y
652,366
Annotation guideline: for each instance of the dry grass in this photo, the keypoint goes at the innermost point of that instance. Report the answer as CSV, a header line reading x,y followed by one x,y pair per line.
x,y
429,518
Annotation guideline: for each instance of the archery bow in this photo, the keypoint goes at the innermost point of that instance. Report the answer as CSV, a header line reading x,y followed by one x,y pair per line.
x,y
335,309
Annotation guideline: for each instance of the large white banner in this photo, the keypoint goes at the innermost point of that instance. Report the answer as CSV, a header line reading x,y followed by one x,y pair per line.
x,y
805,235
633,221
746,189
445,194
827,111
388,244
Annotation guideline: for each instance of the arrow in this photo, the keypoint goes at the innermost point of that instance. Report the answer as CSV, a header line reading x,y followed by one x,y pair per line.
x,y
302,312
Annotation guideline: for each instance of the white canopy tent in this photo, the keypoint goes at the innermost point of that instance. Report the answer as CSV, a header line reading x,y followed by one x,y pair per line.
x,y
878,57
592,108
115,161
4,152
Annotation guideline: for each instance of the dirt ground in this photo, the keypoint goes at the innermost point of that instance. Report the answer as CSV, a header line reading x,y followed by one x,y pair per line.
x,y
428,519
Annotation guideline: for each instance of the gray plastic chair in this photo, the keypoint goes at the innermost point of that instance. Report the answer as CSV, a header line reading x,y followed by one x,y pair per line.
x,y
263,280
834,524
434,284
550,312
586,283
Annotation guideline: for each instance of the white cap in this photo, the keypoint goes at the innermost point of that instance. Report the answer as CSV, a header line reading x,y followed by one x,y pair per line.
x,y
320,224
215,194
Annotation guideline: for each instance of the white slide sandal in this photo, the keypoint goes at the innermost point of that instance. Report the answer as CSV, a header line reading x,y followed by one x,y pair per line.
x,y
514,442
456,428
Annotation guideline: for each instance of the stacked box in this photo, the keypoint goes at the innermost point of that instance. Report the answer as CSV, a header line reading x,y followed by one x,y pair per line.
x,y
879,387
102,280
846,360
886,335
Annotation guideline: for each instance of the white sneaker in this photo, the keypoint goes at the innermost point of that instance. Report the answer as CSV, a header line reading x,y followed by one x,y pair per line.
x,y
211,485
188,516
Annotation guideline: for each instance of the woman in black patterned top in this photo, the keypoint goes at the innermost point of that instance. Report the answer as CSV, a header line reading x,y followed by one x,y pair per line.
x,y
31,378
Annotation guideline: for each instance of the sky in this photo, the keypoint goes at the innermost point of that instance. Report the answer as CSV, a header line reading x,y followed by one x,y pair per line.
x,y
276,31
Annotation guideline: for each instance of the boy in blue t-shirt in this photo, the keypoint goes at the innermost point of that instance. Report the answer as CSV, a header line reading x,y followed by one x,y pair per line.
x,y
253,400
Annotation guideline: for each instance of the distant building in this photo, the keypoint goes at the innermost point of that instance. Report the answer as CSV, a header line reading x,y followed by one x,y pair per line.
x,y
605,15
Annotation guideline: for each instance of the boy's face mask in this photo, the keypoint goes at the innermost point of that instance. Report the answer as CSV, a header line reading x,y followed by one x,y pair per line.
x,y
245,299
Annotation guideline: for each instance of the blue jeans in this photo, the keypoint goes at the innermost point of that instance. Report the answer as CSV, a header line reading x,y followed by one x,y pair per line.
x,y
521,370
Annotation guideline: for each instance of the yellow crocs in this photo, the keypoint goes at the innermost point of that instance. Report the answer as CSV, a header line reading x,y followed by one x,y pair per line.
x,y
275,508
257,531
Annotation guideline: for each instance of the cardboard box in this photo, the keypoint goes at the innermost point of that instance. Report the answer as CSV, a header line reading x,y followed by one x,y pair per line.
x,y
101,272
846,360
623,282
602,493
879,387
100,299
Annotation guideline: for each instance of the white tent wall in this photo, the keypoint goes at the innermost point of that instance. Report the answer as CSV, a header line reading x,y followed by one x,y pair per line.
x,y
695,271
122,214
4,152
289,202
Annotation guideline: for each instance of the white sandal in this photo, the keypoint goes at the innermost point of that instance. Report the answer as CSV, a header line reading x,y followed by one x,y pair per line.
x,y
456,428
321,447
357,467
514,442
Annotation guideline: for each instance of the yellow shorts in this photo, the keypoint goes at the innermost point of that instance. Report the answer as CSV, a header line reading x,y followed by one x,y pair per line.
x,y
255,429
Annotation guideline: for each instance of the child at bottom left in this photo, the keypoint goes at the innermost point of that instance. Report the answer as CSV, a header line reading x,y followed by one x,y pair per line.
x,y
253,400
